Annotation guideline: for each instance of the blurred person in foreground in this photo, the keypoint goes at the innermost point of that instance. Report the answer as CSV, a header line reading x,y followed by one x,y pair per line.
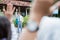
x,y
48,27
40,26
9,13
5,28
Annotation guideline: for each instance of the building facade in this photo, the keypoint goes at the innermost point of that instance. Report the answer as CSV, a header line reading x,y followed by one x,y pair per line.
x,y
21,5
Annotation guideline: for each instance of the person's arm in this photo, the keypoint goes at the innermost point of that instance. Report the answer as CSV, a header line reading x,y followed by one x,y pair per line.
x,y
55,6
27,35
9,12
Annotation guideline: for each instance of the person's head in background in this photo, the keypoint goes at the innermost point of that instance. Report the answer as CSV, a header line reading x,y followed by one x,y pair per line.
x,y
39,9
5,29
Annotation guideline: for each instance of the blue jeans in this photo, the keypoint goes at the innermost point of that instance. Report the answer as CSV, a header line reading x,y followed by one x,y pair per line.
x,y
19,26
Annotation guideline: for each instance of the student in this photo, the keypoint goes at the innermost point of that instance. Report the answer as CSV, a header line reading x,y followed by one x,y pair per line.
x,y
9,13
5,29
19,20
40,9
49,26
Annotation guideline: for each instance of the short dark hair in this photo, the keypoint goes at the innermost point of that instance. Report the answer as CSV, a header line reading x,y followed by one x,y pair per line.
x,y
5,28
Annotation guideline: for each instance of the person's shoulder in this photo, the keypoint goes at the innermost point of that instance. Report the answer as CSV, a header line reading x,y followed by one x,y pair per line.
x,y
49,26
49,22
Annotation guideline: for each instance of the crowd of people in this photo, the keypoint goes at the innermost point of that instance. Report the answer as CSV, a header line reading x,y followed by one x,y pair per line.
x,y
40,26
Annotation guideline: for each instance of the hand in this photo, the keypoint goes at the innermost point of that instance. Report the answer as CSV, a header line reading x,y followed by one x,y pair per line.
x,y
54,7
9,12
58,3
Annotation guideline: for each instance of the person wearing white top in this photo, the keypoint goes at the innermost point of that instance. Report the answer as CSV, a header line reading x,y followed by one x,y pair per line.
x,y
38,12
49,29
9,13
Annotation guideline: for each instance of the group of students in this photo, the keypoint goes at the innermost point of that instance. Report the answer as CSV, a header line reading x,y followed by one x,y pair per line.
x,y
39,26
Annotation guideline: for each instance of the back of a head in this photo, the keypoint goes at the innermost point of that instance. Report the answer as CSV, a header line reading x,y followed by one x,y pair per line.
x,y
5,28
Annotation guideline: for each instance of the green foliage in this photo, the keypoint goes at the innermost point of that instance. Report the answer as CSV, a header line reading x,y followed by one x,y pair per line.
x,y
25,21
14,21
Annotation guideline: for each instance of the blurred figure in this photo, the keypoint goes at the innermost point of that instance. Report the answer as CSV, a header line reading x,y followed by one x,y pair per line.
x,y
40,8
9,13
39,18
19,20
49,26
5,29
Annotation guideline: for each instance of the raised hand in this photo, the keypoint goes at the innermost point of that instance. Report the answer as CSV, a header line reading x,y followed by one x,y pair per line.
x,y
58,3
9,12
55,6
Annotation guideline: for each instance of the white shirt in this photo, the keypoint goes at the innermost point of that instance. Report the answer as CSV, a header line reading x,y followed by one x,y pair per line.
x,y
20,18
49,29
